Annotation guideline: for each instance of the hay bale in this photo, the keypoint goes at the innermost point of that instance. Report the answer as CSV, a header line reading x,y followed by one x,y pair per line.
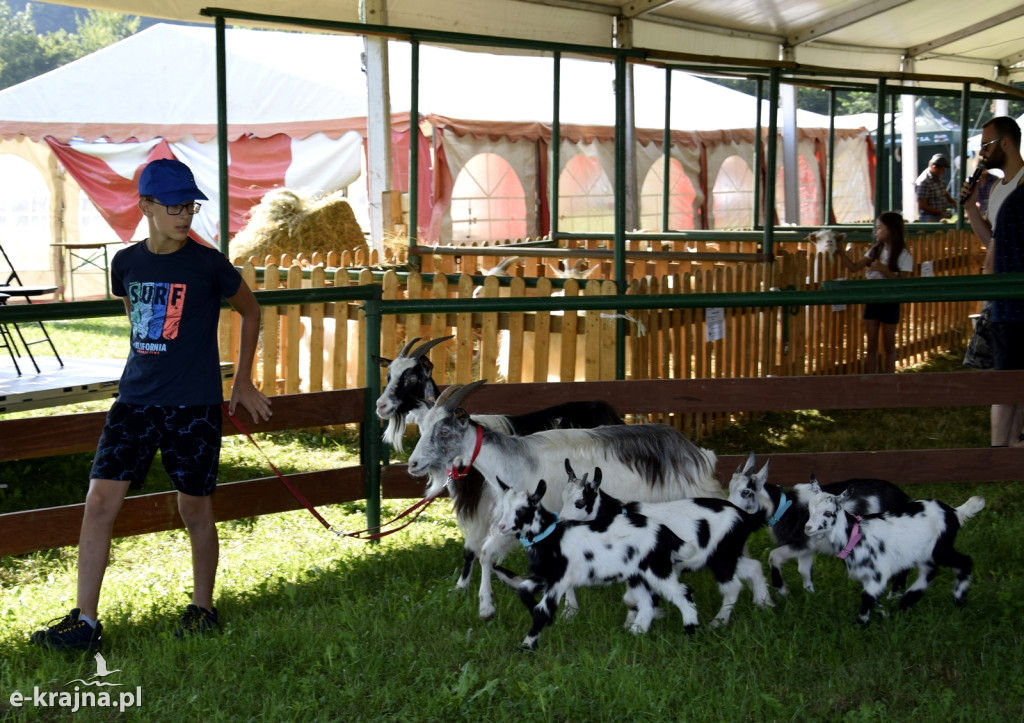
x,y
287,222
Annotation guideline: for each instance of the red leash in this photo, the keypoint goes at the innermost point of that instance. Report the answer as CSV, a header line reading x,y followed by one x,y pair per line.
x,y
360,534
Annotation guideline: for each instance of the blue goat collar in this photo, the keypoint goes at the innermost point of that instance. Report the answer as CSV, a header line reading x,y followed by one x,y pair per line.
x,y
551,528
784,504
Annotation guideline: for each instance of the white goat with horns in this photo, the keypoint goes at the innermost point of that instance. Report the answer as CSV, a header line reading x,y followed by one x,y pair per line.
x,y
651,462
409,395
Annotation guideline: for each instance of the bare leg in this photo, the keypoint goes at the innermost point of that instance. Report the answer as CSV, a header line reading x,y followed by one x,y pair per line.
x,y
197,514
1006,424
889,346
102,503
871,329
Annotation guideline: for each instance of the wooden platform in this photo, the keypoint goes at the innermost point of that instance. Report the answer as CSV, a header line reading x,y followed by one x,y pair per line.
x,y
79,380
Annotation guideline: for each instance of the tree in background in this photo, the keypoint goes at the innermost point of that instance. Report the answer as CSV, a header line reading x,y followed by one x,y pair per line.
x,y
24,53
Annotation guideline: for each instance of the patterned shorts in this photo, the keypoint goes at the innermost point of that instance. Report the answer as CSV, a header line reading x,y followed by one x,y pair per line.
x,y
187,437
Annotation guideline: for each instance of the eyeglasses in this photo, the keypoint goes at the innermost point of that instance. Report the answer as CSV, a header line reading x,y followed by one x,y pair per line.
x,y
192,208
986,145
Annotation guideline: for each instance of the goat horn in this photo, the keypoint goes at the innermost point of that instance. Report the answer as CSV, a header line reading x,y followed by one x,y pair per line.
x,y
409,345
428,345
455,393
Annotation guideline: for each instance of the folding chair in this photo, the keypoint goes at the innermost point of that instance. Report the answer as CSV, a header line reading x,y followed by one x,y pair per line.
x,y
27,292
7,340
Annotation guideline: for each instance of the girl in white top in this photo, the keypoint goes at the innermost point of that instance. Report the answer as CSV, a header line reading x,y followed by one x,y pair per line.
x,y
888,258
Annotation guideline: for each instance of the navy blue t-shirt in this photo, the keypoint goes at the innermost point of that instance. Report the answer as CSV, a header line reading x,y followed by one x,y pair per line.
x,y
174,304
1009,252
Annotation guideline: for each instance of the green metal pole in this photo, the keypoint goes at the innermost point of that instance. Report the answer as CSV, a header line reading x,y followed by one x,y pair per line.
x,y
666,151
556,142
758,156
370,443
830,169
771,167
965,120
893,179
222,136
620,209
414,149
880,149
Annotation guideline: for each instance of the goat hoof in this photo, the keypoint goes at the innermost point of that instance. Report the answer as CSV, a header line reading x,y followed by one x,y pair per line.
x,y
690,629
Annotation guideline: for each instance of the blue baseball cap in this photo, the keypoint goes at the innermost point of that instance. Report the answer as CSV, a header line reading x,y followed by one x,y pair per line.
x,y
170,182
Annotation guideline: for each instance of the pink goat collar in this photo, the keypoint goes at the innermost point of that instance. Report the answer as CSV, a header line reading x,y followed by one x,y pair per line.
x,y
455,472
855,537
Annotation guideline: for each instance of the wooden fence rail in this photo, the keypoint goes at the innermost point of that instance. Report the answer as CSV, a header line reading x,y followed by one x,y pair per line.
x,y
54,527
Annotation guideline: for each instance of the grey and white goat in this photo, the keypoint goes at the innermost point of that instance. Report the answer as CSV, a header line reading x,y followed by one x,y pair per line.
x,y
409,394
785,513
567,555
714,534
876,547
651,461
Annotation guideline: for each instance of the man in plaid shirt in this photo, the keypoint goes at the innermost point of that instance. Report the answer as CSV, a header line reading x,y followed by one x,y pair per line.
x,y
933,199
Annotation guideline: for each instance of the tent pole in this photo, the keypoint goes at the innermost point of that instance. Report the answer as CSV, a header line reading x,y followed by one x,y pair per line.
x,y
880,148
222,138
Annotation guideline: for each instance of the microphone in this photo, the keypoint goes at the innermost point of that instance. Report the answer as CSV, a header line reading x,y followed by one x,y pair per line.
x,y
973,180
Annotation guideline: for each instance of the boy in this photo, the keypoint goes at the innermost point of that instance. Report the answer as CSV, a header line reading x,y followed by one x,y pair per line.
x,y
169,397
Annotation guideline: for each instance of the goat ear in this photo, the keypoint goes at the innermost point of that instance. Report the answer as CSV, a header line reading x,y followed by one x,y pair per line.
x,y
843,497
569,470
815,487
747,466
597,477
381,360
762,477
504,487
538,493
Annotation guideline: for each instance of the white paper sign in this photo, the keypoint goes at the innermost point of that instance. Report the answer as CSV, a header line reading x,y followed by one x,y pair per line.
x,y
714,327
927,268
839,307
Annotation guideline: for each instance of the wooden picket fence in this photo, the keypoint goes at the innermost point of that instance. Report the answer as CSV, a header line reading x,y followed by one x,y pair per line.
x,y
313,347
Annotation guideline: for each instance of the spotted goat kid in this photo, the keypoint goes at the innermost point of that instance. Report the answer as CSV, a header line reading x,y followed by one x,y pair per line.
x,y
567,555
785,513
714,534
920,534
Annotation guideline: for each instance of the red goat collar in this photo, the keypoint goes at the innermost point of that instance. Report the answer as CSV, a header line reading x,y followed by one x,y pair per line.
x,y
455,472
855,537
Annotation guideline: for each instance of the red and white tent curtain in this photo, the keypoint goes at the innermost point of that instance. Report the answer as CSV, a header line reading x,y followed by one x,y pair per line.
x,y
109,173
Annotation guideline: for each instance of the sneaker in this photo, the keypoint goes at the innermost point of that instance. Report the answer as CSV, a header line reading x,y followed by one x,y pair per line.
x,y
69,633
197,620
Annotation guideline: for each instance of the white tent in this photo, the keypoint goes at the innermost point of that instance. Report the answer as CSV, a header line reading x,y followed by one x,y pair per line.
x,y
296,114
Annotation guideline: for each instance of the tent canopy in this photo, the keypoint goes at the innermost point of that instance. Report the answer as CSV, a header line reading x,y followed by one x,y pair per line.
x,y
853,37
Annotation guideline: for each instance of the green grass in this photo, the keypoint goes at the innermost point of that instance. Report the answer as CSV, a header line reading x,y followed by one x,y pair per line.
x,y
318,627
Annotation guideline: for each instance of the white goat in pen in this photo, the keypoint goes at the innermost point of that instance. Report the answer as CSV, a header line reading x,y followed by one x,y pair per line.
x,y
651,462
920,534
714,534
408,396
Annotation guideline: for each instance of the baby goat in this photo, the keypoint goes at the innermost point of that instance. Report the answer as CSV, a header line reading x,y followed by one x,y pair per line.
x,y
714,534
785,513
566,555
876,547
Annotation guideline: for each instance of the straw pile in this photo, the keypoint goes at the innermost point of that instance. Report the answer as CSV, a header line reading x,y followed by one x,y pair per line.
x,y
287,222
